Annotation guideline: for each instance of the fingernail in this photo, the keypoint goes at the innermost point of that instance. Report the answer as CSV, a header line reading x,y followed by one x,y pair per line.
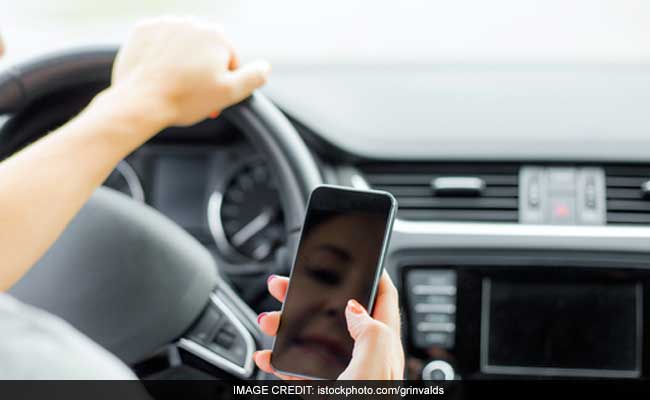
x,y
214,114
259,317
270,278
355,307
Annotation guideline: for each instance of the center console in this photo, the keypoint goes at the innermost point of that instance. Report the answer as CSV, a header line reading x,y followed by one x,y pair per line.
x,y
484,316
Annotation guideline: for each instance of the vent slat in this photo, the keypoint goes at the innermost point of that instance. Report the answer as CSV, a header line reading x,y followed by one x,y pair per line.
x,y
624,193
458,215
410,183
628,205
626,181
625,203
628,218
425,179
425,191
458,202
628,170
450,168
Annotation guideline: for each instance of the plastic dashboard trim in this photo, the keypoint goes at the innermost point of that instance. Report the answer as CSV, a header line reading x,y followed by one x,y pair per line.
x,y
433,235
410,234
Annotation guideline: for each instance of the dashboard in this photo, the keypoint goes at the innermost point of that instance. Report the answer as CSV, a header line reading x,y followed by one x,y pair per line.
x,y
224,196
522,244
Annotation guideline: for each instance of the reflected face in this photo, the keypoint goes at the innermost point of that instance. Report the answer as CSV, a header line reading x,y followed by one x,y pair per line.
x,y
336,262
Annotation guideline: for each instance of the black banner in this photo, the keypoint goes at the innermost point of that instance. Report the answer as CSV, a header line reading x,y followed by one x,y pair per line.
x,y
164,390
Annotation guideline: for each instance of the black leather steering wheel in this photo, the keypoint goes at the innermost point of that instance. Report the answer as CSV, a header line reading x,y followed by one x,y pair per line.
x,y
124,274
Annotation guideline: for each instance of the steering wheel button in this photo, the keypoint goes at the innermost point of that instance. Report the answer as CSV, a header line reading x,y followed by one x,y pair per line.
x,y
204,329
225,339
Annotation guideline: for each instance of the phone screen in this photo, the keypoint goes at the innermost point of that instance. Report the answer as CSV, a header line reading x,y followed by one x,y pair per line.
x,y
339,257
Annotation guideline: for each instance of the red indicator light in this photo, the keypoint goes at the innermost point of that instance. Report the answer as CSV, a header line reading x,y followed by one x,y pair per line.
x,y
561,210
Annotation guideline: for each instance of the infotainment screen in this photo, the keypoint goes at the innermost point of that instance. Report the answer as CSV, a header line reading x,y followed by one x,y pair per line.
x,y
561,329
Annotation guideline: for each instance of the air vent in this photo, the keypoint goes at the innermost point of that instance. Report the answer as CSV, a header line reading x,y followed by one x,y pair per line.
x,y
628,196
483,192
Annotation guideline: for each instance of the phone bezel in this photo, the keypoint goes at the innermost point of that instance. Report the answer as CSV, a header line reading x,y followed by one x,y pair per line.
x,y
380,263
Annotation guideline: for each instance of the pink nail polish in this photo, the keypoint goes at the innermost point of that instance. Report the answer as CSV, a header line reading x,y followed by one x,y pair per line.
x,y
259,317
270,278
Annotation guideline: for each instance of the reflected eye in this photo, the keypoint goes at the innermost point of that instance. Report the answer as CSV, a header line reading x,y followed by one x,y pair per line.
x,y
326,276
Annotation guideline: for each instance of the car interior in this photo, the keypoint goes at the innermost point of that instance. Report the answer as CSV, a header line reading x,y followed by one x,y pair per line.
x,y
521,246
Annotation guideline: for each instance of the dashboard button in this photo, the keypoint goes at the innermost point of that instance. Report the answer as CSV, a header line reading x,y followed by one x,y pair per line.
x,y
562,210
438,370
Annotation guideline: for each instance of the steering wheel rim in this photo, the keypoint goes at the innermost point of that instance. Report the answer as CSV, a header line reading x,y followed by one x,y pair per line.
x,y
261,122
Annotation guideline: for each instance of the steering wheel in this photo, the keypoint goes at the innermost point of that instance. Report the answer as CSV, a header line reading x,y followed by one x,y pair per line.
x,y
127,276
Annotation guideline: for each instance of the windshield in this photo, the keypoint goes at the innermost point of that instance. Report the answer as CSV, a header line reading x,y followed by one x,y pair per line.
x,y
358,31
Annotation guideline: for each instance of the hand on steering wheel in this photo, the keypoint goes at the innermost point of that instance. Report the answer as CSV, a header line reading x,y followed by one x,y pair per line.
x,y
377,353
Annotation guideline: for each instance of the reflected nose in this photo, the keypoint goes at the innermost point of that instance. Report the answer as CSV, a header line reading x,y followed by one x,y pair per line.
x,y
335,307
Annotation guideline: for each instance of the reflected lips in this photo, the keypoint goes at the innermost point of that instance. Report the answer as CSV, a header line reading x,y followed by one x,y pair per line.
x,y
328,349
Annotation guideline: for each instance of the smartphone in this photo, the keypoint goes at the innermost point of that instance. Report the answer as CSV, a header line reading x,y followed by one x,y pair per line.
x,y
339,257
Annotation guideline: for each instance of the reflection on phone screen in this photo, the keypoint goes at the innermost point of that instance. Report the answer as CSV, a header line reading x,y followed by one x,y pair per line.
x,y
337,260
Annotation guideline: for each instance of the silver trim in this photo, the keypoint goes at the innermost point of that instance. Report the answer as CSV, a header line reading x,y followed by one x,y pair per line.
x,y
132,180
431,234
215,226
455,235
544,371
358,182
444,367
217,360
464,183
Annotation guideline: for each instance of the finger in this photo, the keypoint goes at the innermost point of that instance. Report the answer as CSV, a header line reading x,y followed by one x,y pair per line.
x,y
278,286
386,307
370,343
240,83
357,319
269,322
263,361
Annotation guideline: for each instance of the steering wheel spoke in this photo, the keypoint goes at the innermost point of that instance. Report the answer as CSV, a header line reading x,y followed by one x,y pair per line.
x,y
219,338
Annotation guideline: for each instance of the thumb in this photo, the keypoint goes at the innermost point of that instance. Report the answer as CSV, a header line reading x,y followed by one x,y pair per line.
x,y
369,356
357,319
242,81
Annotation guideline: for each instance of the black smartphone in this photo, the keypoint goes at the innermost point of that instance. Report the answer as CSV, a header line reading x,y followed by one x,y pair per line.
x,y
339,257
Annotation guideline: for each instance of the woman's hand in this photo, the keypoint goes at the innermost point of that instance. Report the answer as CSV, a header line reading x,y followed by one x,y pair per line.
x,y
170,71
183,70
377,354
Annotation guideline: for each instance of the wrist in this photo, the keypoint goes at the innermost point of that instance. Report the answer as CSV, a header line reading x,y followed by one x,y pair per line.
x,y
132,115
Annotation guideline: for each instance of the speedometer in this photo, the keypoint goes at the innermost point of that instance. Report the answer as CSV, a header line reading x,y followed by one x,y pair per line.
x,y
124,179
245,216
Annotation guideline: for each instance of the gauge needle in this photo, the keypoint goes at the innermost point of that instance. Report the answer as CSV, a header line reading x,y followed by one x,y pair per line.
x,y
253,227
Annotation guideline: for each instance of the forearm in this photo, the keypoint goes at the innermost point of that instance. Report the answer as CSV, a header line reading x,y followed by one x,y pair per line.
x,y
171,71
43,186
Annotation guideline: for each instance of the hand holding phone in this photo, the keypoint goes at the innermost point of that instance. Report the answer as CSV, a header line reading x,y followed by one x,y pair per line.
x,y
336,273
